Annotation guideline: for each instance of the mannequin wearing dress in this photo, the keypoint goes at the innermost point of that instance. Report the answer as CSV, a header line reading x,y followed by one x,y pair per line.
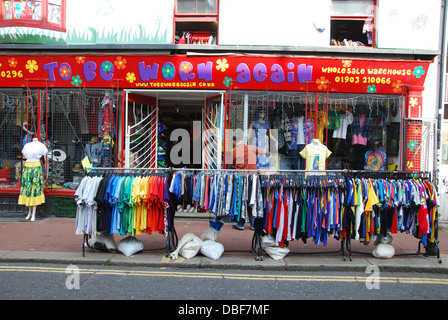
x,y
31,189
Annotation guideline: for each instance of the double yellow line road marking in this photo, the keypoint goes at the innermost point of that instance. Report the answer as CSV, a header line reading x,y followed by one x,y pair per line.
x,y
230,276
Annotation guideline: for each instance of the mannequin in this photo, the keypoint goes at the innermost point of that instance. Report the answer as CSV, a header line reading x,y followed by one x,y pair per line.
x,y
259,137
32,185
315,155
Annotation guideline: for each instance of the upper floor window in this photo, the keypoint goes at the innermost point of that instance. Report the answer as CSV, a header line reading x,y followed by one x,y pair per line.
x,y
197,6
196,21
352,23
44,14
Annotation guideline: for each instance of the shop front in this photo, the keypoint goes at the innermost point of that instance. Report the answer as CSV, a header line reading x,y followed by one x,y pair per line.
x,y
177,111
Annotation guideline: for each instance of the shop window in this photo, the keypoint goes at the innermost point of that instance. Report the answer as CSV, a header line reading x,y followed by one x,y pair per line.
x,y
43,14
362,133
352,23
196,22
74,124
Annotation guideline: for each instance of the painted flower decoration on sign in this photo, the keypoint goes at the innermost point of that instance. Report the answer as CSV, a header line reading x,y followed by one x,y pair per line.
x,y
76,81
413,101
32,66
13,62
418,71
168,71
80,59
413,145
106,66
322,83
121,62
227,81
64,72
409,165
130,76
221,64
186,67
371,89
397,86
346,63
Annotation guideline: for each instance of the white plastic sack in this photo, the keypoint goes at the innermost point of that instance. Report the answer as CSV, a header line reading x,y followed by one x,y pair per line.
x,y
211,234
276,253
212,249
130,245
102,241
383,251
267,241
188,246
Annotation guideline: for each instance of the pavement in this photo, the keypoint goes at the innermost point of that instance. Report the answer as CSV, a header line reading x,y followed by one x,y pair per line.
x,y
53,240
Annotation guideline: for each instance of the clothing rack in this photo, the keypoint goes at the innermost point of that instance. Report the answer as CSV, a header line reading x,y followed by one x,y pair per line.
x,y
124,170
278,176
346,242
398,175
388,174
318,173
172,238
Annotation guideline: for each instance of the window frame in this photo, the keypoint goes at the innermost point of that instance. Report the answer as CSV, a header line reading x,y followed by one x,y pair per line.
x,y
360,18
43,23
195,17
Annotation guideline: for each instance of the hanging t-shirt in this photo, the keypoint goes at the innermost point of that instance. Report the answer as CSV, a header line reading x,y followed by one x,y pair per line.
x,y
344,122
334,120
315,155
322,122
308,130
359,138
297,132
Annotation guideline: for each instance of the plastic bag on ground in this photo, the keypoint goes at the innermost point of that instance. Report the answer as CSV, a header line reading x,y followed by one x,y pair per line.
x,y
383,251
130,245
212,249
188,246
267,241
102,242
276,253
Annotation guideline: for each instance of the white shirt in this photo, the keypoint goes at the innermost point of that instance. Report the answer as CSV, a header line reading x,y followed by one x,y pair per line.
x,y
341,132
34,150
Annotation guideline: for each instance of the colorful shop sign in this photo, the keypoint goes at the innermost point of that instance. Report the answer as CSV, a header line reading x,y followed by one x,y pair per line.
x,y
213,72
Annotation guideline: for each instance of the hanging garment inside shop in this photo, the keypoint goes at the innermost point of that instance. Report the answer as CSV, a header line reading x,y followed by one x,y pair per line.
x,y
107,132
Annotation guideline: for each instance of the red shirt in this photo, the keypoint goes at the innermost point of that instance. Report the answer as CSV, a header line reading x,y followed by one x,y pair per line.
x,y
245,156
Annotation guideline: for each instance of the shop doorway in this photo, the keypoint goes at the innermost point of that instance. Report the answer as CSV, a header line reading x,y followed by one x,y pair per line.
x,y
174,128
